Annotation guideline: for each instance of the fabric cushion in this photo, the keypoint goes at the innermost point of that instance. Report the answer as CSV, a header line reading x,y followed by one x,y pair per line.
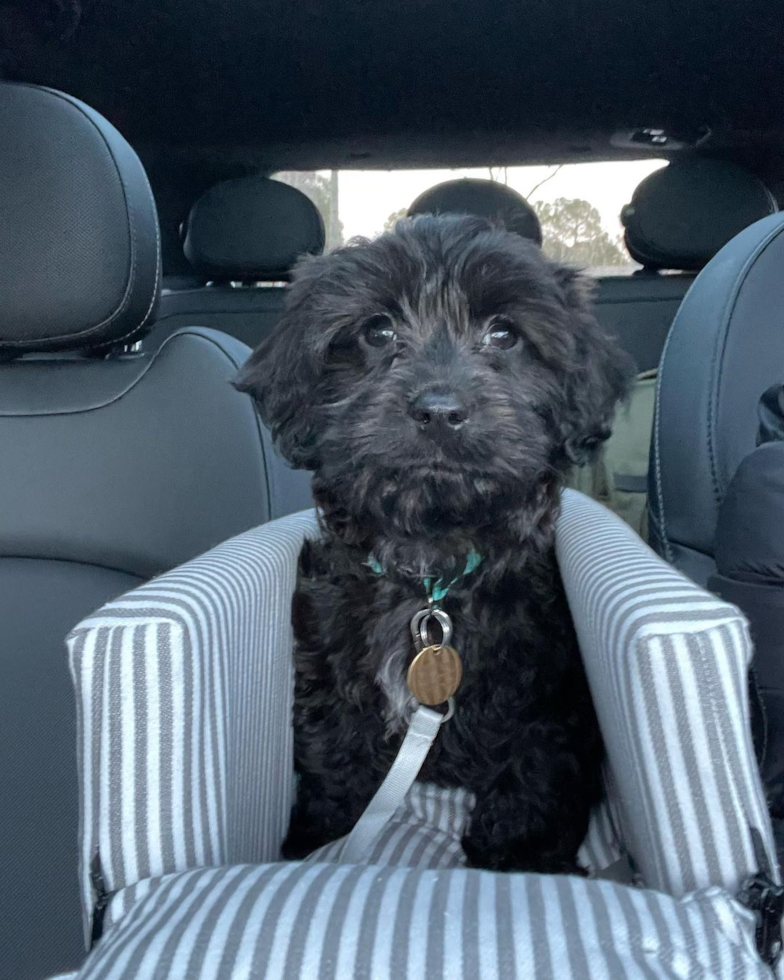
x,y
319,921
198,662
667,664
425,833
427,828
184,689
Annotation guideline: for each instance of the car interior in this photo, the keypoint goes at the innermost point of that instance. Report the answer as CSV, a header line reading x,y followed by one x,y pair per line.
x,y
149,227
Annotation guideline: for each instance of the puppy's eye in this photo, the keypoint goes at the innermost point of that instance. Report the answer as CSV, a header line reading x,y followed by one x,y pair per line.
x,y
501,334
379,331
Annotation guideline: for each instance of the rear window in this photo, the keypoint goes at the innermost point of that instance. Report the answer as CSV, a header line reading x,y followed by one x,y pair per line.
x,y
579,204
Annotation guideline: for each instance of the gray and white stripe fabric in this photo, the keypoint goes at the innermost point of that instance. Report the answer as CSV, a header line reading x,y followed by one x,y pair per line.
x,y
335,922
184,696
183,691
667,665
426,831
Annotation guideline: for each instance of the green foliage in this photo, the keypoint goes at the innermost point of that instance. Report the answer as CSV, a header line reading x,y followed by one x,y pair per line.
x,y
572,232
393,219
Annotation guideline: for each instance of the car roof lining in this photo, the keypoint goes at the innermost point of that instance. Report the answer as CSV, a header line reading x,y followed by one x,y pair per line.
x,y
354,84
254,86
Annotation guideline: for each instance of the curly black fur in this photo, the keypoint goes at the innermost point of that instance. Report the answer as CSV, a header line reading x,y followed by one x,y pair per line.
x,y
418,497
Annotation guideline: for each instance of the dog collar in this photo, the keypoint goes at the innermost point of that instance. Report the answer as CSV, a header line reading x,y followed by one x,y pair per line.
x,y
436,590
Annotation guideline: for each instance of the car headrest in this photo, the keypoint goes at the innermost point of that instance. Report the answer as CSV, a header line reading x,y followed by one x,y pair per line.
x,y
680,216
485,198
79,242
251,228
723,352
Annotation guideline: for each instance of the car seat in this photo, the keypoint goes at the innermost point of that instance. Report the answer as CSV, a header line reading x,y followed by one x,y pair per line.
x,y
678,219
485,198
725,349
116,466
180,844
242,239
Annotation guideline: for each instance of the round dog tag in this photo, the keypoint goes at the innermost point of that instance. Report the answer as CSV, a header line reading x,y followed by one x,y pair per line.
x,y
434,675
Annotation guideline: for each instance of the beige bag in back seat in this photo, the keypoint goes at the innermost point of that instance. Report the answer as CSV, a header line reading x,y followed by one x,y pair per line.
x,y
619,478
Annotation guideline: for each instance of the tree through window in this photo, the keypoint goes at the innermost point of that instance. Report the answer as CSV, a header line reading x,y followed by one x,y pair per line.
x,y
572,232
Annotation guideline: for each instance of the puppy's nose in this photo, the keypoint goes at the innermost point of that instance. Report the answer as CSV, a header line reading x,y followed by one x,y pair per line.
x,y
438,410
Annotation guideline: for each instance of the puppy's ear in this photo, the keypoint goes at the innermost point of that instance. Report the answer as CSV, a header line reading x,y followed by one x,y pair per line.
x,y
282,374
600,374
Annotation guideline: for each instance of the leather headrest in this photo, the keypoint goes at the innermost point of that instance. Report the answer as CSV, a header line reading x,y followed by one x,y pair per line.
x,y
251,228
485,198
79,243
680,216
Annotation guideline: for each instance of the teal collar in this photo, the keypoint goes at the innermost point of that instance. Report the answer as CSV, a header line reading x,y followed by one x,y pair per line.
x,y
437,591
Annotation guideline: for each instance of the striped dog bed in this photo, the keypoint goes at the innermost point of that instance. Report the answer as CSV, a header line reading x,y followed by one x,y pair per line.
x,y
185,750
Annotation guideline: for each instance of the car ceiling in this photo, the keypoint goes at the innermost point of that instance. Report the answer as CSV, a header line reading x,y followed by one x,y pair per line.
x,y
373,83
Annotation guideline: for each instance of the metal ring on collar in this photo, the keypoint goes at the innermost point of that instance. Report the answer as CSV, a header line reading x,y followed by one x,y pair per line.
x,y
443,621
450,710
415,626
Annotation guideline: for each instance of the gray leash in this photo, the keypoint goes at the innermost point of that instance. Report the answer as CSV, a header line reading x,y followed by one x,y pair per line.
x,y
433,677
421,734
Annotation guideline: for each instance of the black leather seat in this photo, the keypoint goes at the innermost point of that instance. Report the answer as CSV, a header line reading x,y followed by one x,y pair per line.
x,y
725,349
486,198
242,239
678,219
638,311
116,465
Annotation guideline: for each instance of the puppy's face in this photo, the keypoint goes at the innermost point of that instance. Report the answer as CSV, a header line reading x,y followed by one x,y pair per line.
x,y
436,375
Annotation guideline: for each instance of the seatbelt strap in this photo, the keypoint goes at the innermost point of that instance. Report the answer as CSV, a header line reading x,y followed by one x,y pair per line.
x,y
421,734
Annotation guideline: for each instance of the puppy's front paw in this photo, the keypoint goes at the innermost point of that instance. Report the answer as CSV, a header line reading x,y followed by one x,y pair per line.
x,y
514,855
295,849
301,842
486,858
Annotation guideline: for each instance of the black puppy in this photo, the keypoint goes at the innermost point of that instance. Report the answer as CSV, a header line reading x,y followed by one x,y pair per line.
x,y
440,382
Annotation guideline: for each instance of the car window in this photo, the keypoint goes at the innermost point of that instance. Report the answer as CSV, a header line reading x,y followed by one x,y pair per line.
x,y
579,205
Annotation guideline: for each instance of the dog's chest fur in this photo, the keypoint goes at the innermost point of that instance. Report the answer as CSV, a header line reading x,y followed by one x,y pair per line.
x,y
353,647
